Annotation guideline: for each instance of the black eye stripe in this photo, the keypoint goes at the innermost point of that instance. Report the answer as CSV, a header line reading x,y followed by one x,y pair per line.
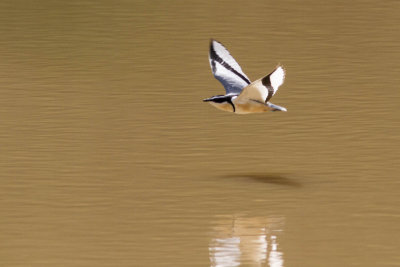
x,y
222,99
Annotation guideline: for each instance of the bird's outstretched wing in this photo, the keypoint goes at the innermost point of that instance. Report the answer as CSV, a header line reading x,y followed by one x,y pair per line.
x,y
226,69
263,89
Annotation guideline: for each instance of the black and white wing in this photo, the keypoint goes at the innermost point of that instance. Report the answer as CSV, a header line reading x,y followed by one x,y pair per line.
x,y
263,89
226,69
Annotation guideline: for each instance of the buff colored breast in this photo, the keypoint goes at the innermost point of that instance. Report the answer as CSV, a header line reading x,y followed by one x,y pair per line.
x,y
245,107
223,106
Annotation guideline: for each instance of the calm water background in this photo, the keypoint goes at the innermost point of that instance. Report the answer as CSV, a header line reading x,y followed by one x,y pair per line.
x,y
109,157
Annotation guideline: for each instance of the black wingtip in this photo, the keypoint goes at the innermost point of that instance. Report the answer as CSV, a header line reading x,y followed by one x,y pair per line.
x,y
212,40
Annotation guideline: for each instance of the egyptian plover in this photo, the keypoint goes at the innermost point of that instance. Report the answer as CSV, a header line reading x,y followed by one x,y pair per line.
x,y
242,96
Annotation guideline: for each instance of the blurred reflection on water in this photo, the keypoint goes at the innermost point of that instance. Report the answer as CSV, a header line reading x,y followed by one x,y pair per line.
x,y
253,241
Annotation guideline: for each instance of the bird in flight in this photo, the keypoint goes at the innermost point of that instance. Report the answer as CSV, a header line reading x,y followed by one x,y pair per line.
x,y
242,96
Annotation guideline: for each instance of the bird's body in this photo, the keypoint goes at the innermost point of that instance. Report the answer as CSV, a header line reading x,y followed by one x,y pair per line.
x,y
242,96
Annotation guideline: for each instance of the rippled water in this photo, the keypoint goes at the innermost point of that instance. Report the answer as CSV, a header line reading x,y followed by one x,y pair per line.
x,y
110,158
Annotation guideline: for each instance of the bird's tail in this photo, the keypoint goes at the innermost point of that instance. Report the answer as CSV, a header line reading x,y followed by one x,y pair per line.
x,y
274,107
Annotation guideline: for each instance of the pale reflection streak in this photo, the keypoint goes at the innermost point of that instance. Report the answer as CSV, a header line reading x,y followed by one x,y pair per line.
x,y
251,241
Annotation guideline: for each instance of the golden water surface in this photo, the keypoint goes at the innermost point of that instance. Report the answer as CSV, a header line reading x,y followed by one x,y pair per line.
x,y
108,156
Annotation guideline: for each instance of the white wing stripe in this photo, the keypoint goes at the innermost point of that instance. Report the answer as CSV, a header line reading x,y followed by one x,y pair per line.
x,y
232,83
229,63
273,81
277,77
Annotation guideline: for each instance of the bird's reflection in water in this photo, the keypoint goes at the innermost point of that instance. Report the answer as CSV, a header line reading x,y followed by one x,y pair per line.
x,y
250,241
